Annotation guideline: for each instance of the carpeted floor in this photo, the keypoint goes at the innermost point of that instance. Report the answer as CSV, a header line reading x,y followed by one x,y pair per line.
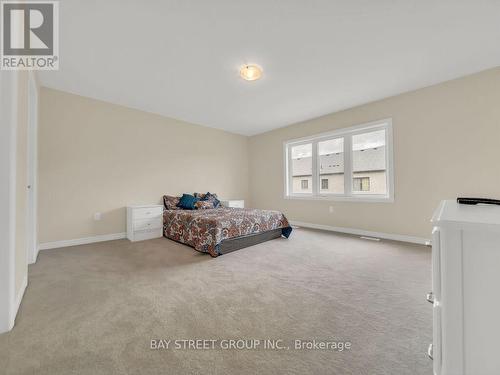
x,y
93,309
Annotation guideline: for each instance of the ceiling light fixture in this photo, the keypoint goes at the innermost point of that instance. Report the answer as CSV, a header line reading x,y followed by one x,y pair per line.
x,y
250,72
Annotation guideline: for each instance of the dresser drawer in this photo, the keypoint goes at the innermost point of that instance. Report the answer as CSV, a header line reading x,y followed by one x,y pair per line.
x,y
436,339
145,224
436,264
147,212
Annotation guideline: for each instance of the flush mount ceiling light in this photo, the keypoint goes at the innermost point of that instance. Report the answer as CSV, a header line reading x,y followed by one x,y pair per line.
x,y
250,72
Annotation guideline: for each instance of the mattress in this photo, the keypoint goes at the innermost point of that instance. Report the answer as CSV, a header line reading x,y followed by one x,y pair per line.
x,y
204,230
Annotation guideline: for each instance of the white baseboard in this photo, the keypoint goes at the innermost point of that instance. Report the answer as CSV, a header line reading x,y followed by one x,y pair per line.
x,y
81,241
366,233
18,300
35,257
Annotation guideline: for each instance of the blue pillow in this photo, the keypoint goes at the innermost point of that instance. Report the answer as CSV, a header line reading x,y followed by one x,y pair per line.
x,y
187,202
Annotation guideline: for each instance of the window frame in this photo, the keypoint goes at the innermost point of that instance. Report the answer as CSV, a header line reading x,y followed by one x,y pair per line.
x,y
347,133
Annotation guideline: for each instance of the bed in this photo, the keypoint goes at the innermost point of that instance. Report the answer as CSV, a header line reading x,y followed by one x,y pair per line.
x,y
222,230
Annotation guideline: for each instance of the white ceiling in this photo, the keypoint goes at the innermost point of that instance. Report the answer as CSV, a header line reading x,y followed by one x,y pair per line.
x,y
181,58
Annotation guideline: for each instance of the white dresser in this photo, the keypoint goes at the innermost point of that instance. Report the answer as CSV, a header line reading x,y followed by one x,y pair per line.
x,y
237,203
466,289
144,222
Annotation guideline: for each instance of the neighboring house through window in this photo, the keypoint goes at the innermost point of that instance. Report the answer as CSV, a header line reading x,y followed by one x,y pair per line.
x,y
346,164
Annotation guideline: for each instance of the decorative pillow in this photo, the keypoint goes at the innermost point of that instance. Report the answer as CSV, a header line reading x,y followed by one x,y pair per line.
x,y
211,198
203,205
187,202
171,202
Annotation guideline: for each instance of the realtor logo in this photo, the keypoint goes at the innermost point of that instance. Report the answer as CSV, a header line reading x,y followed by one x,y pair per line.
x,y
30,35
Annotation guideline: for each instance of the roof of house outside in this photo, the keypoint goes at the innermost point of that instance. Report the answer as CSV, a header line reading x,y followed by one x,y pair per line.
x,y
372,159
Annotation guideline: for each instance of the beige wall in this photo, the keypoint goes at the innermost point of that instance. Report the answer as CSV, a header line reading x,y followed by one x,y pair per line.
x,y
99,157
21,265
446,144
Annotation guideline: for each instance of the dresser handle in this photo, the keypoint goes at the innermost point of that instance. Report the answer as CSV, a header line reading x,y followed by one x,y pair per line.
x,y
429,351
430,297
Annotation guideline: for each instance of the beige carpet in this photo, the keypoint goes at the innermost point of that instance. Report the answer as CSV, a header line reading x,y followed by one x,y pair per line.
x,y
93,309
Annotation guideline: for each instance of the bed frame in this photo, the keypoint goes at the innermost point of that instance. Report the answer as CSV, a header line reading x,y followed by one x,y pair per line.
x,y
237,243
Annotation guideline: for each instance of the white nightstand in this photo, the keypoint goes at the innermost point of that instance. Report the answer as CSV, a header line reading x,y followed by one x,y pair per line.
x,y
144,222
236,203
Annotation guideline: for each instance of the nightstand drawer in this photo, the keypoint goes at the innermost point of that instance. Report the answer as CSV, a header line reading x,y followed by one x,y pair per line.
x,y
147,234
234,203
144,224
147,212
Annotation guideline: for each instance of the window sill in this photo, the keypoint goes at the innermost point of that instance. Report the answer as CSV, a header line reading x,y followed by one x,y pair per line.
x,y
343,198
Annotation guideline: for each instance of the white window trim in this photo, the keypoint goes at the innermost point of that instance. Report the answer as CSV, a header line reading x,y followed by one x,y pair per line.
x,y
347,133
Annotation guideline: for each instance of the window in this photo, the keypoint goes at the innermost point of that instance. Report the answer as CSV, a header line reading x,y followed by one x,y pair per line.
x,y
331,165
348,164
369,172
361,184
301,168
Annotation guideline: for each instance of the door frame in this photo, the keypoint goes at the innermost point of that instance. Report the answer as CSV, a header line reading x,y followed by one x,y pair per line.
x,y
32,215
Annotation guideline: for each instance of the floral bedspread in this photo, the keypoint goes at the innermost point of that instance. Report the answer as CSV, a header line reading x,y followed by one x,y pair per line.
x,y
206,229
